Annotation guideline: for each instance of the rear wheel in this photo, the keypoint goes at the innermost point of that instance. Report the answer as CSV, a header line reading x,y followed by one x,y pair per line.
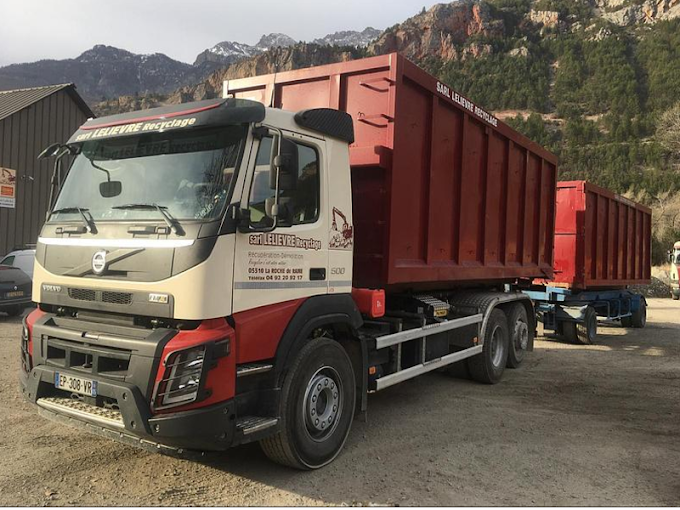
x,y
488,367
638,319
584,332
520,334
317,407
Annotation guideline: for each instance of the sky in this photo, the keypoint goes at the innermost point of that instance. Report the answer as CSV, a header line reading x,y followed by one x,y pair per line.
x,y
56,29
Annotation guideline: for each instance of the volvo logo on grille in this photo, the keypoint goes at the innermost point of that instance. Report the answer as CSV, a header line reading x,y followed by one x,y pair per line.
x,y
99,262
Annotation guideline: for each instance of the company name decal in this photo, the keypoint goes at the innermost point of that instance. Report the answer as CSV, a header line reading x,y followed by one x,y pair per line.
x,y
467,104
140,127
284,240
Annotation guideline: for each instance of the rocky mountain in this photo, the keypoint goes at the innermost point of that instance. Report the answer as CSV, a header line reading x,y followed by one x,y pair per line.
x,y
440,31
107,71
275,60
350,38
228,52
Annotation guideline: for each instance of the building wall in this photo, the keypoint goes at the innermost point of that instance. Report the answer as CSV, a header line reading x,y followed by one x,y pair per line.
x,y
22,137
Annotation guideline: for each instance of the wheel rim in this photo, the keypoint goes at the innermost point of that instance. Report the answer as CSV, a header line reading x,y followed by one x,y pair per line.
x,y
643,316
323,403
497,347
521,336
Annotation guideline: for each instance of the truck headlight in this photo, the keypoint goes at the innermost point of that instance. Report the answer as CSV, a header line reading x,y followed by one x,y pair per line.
x,y
182,378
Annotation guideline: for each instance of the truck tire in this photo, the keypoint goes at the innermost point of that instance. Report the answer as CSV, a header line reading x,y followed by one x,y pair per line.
x,y
520,334
317,407
675,297
488,367
638,319
584,332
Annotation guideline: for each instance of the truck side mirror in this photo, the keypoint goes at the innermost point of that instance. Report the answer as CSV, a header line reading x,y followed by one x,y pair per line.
x,y
50,151
285,163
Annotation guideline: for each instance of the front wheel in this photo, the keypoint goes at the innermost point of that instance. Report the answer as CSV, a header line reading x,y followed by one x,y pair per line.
x,y
317,407
675,297
488,367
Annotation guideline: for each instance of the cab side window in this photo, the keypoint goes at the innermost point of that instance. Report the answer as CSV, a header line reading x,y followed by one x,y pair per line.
x,y
7,261
302,204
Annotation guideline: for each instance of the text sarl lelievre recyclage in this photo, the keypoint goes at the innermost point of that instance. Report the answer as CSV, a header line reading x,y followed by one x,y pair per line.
x,y
138,127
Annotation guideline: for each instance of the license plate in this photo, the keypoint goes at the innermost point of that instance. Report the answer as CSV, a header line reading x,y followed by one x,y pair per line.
x,y
75,384
14,294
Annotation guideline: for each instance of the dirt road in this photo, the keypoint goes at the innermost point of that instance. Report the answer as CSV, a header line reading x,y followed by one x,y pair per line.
x,y
596,425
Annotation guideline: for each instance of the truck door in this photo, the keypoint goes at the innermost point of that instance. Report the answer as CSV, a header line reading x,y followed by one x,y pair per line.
x,y
291,261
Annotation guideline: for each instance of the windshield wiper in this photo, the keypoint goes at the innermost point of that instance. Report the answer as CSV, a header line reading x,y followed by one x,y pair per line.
x,y
89,222
171,222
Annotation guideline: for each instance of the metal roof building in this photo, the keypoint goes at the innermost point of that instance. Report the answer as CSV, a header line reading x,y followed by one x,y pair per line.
x,y
30,120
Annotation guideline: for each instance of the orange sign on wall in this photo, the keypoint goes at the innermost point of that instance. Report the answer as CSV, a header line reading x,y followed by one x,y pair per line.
x,y
8,182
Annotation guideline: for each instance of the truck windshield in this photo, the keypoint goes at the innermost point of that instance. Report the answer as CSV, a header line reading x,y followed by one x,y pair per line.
x,y
190,175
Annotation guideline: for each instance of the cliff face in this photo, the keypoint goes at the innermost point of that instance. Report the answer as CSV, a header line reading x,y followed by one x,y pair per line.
x,y
436,32
626,13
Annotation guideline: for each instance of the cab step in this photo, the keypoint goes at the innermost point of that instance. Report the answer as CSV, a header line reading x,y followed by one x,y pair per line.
x,y
251,424
252,369
80,410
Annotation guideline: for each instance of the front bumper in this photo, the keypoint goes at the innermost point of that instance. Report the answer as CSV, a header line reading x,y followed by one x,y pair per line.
x,y
183,433
22,301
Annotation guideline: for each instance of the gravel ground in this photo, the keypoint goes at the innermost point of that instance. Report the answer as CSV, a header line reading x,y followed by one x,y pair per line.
x,y
596,425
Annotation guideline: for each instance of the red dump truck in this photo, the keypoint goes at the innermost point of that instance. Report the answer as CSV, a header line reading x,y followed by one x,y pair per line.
x,y
251,268
602,245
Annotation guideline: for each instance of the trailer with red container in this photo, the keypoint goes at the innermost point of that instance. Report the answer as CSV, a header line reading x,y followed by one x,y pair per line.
x,y
310,238
602,246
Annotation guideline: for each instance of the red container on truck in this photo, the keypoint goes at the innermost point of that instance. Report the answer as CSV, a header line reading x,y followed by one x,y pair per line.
x,y
221,272
602,240
444,193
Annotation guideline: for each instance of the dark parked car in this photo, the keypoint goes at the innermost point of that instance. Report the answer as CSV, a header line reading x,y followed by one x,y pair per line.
x,y
15,290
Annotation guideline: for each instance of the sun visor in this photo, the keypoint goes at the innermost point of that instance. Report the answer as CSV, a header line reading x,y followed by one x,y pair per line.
x,y
213,112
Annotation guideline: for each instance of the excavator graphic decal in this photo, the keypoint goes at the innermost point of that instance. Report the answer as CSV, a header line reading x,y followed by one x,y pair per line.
x,y
341,239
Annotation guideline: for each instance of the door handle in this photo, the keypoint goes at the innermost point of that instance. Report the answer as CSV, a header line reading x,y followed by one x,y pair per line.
x,y
317,273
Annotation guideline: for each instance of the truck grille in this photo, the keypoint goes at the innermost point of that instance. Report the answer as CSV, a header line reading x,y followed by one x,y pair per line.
x,y
96,296
117,298
105,361
82,294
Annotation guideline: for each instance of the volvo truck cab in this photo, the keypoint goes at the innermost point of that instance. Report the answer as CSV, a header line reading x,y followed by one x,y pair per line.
x,y
166,225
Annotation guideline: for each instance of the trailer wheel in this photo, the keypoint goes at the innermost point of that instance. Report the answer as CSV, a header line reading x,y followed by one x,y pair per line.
x,y
488,367
520,334
317,407
584,332
638,319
